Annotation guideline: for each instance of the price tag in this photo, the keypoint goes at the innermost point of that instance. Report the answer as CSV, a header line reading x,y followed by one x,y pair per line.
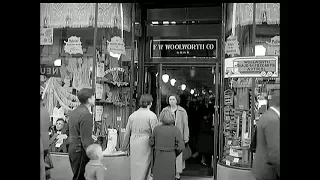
x,y
119,118
227,162
236,160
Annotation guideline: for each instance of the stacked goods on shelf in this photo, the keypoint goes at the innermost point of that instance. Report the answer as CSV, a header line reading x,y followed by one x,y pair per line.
x,y
236,127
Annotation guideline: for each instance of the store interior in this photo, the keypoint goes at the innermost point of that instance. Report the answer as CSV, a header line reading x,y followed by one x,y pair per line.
x,y
196,88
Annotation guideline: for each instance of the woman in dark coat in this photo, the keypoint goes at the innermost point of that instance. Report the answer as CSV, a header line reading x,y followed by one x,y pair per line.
x,y
168,144
205,138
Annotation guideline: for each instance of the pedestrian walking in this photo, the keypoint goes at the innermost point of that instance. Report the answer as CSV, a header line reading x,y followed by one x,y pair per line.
x,y
181,121
266,162
80,133
168,144
138,131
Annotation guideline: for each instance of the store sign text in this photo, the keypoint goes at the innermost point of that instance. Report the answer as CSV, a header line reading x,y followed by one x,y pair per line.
x,y
183,48
256,66
49,71
251,67
116,46
73,46
46,36
232,46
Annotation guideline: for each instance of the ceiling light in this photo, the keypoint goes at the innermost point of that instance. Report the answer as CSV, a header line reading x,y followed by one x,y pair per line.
x,y
154,22
165,78
173,81
165,22
183,87
173,22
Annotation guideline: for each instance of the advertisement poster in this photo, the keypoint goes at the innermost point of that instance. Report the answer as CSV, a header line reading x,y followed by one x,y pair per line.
x,y
273,47
73,46
232,46
46,36
116,46
251,67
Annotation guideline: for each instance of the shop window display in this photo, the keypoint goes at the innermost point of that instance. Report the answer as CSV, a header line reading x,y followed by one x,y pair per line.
x,y
245,98
70,39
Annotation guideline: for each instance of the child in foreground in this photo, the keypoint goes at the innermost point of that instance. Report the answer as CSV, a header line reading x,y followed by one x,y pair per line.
x,y
94,169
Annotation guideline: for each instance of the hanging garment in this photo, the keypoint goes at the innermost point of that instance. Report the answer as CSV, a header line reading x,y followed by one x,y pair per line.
x,y
112,141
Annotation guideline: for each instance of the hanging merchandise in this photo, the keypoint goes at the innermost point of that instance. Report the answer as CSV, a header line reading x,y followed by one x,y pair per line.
x,y
54,90
98,113
57,114
99,91
112,141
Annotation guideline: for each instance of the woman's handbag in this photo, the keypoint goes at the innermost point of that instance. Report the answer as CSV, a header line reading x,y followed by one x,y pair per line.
x,y
186,153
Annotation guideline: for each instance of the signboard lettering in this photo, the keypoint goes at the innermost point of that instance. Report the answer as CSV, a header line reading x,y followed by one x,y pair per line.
x,y
73,46
232,46
116,45
46,36
49,71
184,48
251,67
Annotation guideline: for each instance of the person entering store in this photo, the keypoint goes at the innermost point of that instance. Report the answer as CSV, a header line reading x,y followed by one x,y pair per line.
x,y
168,144
205,138
181,121
138,131
266,164
80,133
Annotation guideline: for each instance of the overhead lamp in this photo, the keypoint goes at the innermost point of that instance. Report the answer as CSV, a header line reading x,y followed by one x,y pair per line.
x,y
260,50
173,22
165,78
173,81
57,62
191,91
115,55
155,22
165,22
183,87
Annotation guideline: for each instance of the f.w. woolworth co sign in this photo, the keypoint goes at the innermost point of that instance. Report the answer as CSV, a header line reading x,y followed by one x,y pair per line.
x,y
166,48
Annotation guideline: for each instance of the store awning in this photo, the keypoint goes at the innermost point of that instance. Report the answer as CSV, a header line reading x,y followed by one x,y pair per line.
x,y
75,15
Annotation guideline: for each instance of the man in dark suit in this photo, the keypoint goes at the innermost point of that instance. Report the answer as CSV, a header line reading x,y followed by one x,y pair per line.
x,y
80,133
266,163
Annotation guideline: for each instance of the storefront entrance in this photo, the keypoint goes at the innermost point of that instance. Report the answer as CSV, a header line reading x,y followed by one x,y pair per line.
x,y
198,89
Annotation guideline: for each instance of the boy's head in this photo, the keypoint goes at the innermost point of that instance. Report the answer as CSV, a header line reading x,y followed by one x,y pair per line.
x,y
94,152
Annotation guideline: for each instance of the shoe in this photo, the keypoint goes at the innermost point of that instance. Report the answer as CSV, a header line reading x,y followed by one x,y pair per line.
x,y
203,164
177,178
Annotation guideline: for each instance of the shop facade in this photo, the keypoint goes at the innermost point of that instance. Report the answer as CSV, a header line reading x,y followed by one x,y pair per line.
x,y
251,73
122,50
90,45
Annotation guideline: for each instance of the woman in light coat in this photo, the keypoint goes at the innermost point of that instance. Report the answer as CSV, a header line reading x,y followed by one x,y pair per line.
x,y
181,121
138,131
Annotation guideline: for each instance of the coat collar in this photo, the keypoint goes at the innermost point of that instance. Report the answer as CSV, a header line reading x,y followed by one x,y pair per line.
x,y
179,108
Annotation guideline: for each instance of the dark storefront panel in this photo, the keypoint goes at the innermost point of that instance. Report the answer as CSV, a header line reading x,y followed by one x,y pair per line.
x,y
185,31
